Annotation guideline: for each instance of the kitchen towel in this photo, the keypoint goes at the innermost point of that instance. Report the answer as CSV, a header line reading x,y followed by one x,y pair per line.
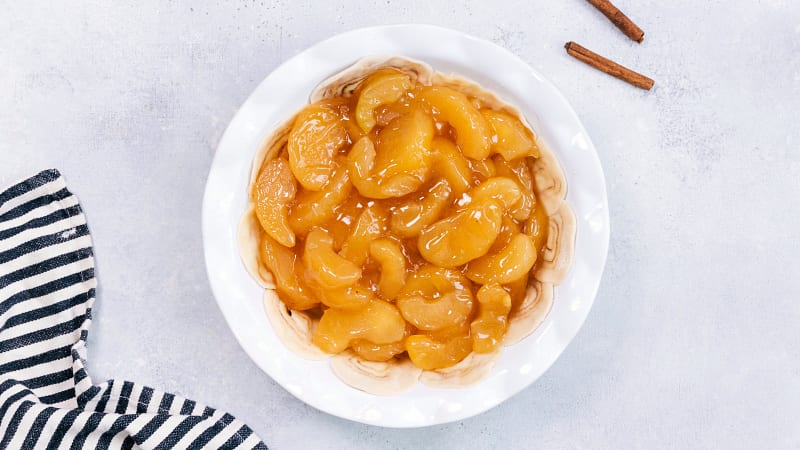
x,y
47,399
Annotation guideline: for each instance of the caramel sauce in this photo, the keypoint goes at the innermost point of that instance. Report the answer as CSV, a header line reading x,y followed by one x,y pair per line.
x,y
405,215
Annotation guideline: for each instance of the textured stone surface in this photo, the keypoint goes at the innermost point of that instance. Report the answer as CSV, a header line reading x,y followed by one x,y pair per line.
x,y
694,340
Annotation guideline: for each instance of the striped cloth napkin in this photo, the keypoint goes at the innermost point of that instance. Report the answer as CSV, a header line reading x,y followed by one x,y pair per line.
x,y
47,400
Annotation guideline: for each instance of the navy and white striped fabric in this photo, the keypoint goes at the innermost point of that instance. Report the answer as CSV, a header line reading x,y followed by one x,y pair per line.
x,y
47,287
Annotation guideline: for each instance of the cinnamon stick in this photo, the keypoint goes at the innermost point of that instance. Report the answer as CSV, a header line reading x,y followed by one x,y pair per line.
x,y
610,67
619,19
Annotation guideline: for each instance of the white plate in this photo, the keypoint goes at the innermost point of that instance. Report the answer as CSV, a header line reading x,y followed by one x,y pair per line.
x,y
286,90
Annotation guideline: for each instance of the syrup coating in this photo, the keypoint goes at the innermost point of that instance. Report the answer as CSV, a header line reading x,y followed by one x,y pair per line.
x,y
405,217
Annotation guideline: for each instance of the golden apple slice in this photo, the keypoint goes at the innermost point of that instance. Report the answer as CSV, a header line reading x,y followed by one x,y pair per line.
x,y
472,130
274,189
316,137
383,87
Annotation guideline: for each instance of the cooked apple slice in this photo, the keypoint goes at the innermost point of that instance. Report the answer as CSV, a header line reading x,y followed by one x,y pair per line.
x,y
316,137
274,189
383,87
472,129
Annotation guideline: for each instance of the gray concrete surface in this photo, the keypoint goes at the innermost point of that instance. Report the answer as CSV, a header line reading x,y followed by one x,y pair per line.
x,y
694,339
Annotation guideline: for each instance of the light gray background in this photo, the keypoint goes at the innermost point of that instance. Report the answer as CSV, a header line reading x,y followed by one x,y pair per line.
x,y
694,339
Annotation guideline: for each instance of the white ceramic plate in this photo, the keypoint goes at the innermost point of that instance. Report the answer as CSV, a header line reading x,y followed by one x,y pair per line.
x,y
286,90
